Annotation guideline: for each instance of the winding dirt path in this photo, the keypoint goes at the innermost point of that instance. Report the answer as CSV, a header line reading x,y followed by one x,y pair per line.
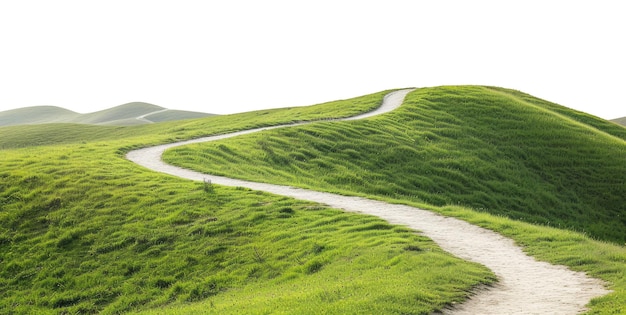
x,y
525,286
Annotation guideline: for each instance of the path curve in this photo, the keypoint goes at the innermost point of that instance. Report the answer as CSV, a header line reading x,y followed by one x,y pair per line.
x,y
144,119
525,286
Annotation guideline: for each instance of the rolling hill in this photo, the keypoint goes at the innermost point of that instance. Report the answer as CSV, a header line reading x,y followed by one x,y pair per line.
x,y
83,230
35,115
494,150
135,113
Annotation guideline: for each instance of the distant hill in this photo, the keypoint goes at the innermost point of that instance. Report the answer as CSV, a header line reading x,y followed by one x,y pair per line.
x,y
135,113
36,115
621,121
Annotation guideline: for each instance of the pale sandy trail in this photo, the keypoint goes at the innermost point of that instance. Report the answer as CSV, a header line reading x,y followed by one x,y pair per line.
x,y
525,286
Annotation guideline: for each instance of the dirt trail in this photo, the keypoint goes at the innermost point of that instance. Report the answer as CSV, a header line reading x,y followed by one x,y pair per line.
x,y
525,286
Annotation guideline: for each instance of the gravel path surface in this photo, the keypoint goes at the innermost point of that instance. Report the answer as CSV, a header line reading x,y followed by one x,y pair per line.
x,y
525,286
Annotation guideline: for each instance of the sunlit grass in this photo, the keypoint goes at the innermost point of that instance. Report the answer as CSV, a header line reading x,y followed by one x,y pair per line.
x,y
50,134
83,230
492,156
470,146
601,260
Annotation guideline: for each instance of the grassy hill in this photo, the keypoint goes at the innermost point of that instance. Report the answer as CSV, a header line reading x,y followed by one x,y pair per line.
x,y
174,115
86,231
122,115
36,115
494,150
49,134
82,230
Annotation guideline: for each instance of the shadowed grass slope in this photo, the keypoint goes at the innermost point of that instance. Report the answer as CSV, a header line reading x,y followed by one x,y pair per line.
x,y
85,231
494,150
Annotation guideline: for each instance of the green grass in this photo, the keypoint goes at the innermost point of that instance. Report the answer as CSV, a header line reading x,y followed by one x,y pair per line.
x,y
86,231
35,115
82,230
601,260
508,156
348,287
84,234
52,134
493,150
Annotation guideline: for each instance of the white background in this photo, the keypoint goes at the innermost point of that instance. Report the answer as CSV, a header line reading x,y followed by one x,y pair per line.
x,y
235,56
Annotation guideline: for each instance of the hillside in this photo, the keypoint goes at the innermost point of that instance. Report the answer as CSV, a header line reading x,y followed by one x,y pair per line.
x,y
52,134
170,115
86,231
494,150
117,113
122,115
83,230
24,136
621,121
36,115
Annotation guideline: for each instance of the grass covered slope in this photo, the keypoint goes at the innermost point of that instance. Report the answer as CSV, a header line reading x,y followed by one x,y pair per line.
x,y
12,137
85,231
494,150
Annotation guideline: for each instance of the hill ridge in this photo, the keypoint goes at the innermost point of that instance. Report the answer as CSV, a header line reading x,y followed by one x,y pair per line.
x,y
120,115
528,280
87,231
564,117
